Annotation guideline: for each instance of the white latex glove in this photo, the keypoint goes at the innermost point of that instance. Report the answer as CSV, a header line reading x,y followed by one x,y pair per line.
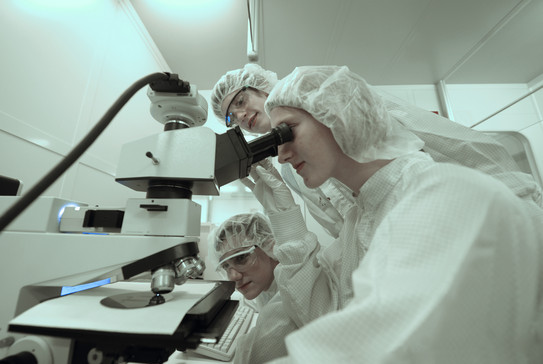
x,y
269,188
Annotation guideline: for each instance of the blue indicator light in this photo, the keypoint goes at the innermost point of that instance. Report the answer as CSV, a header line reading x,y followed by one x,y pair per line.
x,y
61,210
82,287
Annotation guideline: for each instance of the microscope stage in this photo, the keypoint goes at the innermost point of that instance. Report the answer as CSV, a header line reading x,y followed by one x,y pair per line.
x,y
83,311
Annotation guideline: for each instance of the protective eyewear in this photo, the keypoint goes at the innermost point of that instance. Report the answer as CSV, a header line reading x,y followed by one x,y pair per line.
x,y
238,102
240,261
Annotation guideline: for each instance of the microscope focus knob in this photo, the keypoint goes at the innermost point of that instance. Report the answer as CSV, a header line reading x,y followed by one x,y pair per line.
x,y
199,267
95,356
191,267
30,350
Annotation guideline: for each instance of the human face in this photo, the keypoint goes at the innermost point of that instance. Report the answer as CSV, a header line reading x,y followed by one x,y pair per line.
x,y
254,278
313,152
247,106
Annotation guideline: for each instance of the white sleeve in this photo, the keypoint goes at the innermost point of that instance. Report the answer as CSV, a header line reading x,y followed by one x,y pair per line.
x,y
308,290
266,340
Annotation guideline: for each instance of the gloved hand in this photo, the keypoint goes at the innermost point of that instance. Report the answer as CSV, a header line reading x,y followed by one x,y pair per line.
x,y
269,188
287,221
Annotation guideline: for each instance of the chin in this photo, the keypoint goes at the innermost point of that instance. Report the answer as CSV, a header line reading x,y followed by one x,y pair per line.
x,y
260,129
311,184
250,295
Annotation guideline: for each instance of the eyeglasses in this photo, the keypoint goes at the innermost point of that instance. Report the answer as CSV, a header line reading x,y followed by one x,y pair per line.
x,y
238,102
240,261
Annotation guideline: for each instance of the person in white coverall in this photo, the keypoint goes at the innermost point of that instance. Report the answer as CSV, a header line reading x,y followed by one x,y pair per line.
x,y
435,262
242,252
241,249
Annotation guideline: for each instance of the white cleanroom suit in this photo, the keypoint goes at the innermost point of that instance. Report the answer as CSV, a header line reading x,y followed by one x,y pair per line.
x,y
320,281
450,266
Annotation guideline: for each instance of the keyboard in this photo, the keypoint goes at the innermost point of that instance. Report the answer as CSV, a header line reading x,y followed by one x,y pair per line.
x,y
225,348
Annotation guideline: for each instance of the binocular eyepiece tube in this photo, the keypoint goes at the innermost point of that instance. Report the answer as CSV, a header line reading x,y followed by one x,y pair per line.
x,y
266,145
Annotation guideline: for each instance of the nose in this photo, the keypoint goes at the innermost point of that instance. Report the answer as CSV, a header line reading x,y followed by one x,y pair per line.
x,y
240,115
233,275
284,153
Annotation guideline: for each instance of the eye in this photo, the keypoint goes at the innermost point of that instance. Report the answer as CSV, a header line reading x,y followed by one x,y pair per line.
x,y
240,101
240,259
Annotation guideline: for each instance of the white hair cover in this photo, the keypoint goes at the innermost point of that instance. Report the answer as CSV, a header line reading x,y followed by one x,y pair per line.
x,y
241,231
250,75
344,102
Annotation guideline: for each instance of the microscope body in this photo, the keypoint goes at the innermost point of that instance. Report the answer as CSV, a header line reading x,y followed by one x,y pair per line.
x,y
81,245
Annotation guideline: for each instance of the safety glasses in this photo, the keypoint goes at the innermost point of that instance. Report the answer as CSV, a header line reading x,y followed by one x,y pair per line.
x,y
240,261
238,103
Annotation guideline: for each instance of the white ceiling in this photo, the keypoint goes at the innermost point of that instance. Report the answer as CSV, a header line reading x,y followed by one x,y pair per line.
x,y
389,42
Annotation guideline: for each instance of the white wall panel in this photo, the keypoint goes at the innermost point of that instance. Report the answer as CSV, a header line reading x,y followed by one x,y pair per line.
x,y
47,55
26,161
59,84
472,103
97,187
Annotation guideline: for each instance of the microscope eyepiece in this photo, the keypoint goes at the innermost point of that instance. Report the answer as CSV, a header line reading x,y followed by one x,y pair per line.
x,y
266,145
234,155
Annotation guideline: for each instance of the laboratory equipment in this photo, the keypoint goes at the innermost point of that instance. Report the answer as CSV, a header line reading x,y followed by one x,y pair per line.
x,y
225,348
71,247
10,186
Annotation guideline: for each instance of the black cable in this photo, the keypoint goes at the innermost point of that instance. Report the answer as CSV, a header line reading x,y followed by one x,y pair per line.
x,y
77,151
250,25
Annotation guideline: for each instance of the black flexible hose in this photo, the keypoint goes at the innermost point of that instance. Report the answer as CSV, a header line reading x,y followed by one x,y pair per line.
x,y
78,150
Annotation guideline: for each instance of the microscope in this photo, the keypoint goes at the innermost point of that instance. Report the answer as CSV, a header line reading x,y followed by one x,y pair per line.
x,y
156,235
185,159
